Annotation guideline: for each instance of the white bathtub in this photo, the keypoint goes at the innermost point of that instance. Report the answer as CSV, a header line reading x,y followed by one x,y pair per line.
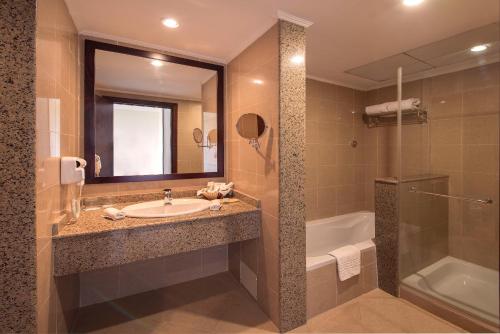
x,y
467,286
327,234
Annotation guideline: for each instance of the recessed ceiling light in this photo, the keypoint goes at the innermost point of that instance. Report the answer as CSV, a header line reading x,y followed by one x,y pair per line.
x,y
411,3
297,59
156,63
170,23
479,48
258,81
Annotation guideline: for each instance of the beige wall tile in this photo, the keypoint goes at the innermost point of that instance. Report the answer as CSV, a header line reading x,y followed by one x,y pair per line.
x,y
99,286
445,106
249,254
214,260
137,277
446,131
480,158
480,130
332,161
446,157
141,276
56,127
321,289
256,172
446,84
326,202
183,267
484,101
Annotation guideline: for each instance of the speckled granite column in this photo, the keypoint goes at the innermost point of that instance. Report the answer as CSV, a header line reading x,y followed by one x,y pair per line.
x,y
17,167
387,235
292,217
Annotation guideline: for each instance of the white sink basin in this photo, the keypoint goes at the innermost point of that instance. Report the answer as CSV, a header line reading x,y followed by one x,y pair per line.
x,y
157,209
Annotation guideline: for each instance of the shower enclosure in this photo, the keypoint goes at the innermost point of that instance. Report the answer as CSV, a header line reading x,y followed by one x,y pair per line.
x,y
448,178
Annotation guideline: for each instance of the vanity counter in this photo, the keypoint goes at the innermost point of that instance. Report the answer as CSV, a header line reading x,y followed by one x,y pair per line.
x,y
94,242
93,222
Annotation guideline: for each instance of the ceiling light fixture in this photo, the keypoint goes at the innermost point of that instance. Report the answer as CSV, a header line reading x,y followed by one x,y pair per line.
x,y
258,81
411,3
297,59
156,63
479,48
170,23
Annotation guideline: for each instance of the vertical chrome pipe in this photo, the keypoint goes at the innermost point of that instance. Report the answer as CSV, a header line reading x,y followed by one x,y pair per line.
x,y
399,154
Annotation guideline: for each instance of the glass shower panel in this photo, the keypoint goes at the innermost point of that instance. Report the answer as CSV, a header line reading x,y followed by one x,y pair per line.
x,y
448,240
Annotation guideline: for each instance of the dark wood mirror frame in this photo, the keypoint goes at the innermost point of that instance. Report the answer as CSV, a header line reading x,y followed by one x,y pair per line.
x,y
89,109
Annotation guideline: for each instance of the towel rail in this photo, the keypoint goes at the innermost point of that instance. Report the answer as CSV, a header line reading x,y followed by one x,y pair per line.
x,y
485,201
417,116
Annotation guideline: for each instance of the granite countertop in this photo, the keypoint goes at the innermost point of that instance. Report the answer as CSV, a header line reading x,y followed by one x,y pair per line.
x,y
93,222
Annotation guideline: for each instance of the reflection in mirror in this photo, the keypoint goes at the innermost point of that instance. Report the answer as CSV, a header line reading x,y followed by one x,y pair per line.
x,y
212,137
145,111
135,137
198,136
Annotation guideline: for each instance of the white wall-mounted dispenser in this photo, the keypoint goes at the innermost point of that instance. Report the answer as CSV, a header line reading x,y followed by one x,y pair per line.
x,y
72,170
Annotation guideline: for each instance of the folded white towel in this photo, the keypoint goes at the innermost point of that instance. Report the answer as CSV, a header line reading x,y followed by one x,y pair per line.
x,y
390,107
113,214
348,261
215,205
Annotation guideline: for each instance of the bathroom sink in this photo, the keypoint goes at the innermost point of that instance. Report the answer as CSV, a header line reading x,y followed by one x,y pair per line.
x,y
157,209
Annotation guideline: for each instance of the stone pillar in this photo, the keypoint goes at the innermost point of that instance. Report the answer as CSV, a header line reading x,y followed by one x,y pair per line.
x,y
387,234
17,167
292,217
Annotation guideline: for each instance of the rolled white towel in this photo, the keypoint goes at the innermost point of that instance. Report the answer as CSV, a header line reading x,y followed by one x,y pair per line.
x,y
215,205
113,214
390,107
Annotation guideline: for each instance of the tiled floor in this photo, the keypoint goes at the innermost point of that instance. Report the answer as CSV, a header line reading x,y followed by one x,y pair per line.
x,y
218,304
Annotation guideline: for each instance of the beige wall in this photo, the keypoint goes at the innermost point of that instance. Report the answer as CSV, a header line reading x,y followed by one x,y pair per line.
x,y
56,89
189,155
132,278
256,172
460,140
339,178
209,95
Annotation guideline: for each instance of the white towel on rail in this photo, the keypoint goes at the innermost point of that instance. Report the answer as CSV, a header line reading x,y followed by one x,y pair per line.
x,y
348,261
390,107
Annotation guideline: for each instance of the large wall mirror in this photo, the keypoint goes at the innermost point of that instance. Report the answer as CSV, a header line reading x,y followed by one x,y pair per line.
x,y
141,111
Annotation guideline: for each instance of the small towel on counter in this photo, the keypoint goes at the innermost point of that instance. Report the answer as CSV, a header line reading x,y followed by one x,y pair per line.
x,y
390,107
113,214
348,261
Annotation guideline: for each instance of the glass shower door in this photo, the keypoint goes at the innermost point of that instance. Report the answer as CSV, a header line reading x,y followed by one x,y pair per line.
x,y
449,182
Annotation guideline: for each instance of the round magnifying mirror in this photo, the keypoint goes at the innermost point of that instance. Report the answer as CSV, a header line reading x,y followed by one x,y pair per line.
x,y
250,126
197,135
212,137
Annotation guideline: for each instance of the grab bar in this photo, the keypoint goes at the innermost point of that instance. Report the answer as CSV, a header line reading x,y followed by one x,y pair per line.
x,y
413,189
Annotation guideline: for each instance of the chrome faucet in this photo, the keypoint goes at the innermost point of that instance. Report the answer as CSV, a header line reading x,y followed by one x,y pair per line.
x,y
168,196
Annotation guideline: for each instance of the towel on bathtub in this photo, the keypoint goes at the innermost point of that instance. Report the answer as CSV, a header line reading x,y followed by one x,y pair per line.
x,y
348,261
